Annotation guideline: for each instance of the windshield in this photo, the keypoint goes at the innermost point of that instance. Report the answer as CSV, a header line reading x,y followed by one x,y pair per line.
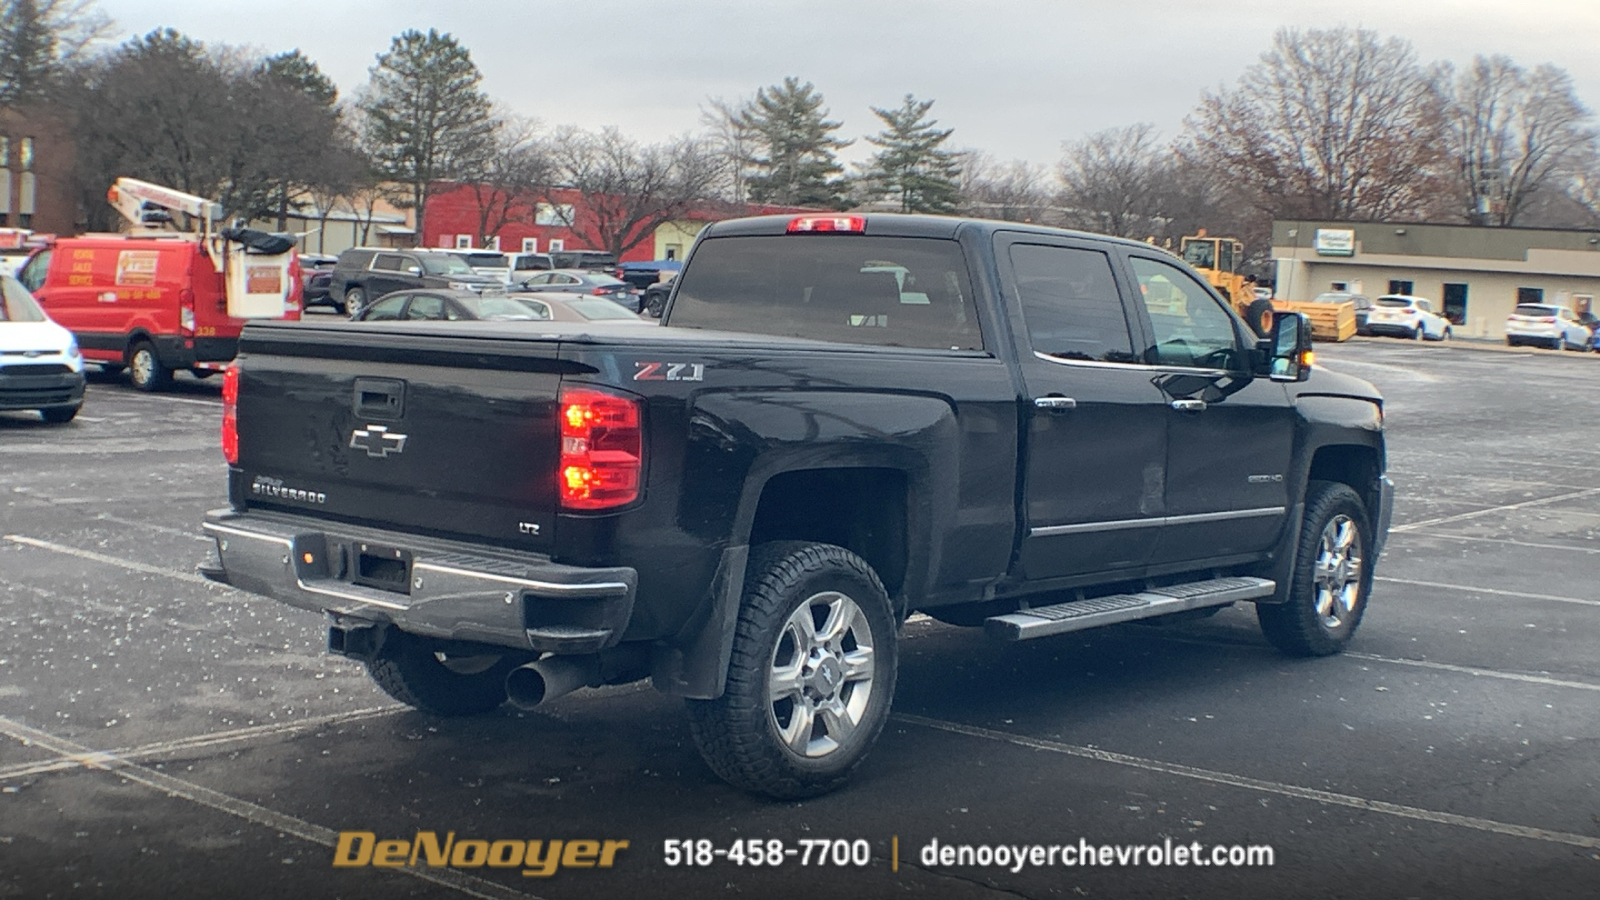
x,y
1200,254
1399,302
1527,310
446,265
16,304
599,308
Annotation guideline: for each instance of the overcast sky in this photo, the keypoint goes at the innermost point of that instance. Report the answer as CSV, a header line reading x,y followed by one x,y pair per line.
x,y
1014,78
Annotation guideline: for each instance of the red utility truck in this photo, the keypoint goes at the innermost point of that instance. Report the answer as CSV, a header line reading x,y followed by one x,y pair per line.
x,y
158,299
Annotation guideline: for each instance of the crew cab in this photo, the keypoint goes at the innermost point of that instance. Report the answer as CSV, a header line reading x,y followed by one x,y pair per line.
x,y
841,420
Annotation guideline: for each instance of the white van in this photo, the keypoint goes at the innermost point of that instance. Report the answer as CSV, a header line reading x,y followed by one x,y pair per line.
x,y
40,366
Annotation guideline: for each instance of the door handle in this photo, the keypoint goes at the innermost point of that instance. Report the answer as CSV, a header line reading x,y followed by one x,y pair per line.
x,y
1055,403
1189,405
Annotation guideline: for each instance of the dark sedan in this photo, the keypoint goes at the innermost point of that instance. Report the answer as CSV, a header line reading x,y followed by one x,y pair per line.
x,y
577,281
465,306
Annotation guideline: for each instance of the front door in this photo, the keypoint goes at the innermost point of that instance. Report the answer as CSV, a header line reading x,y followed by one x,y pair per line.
x,y
1230,435
1094,435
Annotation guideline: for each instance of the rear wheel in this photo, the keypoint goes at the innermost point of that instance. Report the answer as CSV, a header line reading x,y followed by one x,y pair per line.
x,y
145,370
811,677
415,672
1332,576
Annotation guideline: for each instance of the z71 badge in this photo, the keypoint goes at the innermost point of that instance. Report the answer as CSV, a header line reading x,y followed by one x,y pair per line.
x,y
670,371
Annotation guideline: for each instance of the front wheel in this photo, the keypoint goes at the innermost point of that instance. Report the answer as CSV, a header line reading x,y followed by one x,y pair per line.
x,y
1332,576
59,415
811,677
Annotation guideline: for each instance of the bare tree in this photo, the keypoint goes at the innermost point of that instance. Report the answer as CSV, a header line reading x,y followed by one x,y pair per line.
x,y
1017,191
1113,181
630,189
1332,124
1511,133
40,41
730,136
504,182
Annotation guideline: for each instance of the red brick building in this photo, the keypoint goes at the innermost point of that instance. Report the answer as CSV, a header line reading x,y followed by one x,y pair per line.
x,y
554,222
36,173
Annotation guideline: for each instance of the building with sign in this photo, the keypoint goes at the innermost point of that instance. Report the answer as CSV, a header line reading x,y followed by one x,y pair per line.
x,y
1475,275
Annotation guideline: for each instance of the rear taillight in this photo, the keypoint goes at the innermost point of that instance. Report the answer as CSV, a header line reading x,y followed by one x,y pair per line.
x,y
603,291
230,415
841,224
1548,320
601,449
186,311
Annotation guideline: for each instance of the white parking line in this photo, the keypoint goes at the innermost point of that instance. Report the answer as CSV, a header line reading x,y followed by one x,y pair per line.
x,y
1327,798
134,523
243,809
1484,590
126,755
165,398
1413,526
1446,536
114,561
1473,670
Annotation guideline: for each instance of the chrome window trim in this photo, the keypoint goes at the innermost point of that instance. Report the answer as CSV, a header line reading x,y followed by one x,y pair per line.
x,y
1141,366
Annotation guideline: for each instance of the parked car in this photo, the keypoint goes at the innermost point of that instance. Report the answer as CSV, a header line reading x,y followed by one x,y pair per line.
x,y
1403,315
525,264
490,263
578,308
653,302
640,275
364,274
577,281
1362,303
40,365
431,304
591,260
1546,325
316,274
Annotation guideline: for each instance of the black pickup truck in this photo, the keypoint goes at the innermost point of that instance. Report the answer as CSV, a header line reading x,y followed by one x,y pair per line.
x,y
841,420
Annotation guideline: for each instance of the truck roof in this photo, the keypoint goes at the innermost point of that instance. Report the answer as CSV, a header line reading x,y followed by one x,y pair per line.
x,y
905,225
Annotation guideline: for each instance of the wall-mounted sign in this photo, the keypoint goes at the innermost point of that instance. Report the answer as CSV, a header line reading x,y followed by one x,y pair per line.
x,y
1335,242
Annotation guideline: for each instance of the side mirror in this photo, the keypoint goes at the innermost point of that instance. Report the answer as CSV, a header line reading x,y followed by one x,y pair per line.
x,y
414,270
1286,353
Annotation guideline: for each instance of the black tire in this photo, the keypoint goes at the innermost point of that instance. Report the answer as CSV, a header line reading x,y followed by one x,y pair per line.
x,y
1259,316
1513,343
1309,624
409,669
355,297
145,371
788,584
59,415
1559,343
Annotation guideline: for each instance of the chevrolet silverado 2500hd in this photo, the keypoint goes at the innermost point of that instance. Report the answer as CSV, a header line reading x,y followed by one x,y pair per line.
x,y
841,420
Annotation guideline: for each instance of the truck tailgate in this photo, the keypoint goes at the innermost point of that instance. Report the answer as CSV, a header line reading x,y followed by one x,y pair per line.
x,y
453,436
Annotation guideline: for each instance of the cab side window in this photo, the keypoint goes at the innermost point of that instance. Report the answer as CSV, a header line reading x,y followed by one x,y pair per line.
x,y
1070,304
385,310
388,262
425,306
1191,327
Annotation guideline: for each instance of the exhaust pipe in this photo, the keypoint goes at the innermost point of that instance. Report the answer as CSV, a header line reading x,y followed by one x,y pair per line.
x,y
539,682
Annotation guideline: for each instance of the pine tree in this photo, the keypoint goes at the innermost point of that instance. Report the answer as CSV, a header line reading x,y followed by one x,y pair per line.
x,y
297,71
428,120
794,164
911,168
27,52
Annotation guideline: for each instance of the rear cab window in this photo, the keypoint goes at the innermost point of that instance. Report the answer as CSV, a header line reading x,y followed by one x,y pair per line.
x,y
1395,302
910,292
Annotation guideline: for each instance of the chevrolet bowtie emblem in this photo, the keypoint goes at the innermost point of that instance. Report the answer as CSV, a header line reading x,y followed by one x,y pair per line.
x,y
377,441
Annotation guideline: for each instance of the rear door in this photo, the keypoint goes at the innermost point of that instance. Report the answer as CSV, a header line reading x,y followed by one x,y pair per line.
x,y
1095,431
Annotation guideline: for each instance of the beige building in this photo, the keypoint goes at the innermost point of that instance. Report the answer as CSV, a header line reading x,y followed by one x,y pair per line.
x,y
1474,275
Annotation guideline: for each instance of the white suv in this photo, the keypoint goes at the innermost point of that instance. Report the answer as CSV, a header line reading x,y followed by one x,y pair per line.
x,y
1406,316
1548,325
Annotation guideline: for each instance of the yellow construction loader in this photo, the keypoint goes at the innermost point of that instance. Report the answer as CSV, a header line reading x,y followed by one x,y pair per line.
x,y
1219,258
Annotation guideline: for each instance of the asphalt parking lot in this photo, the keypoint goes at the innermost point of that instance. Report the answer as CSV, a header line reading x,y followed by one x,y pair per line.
x,y
161,736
